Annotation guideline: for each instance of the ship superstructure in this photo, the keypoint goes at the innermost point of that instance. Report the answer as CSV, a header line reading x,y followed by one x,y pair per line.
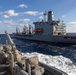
x,y
48,30
51,26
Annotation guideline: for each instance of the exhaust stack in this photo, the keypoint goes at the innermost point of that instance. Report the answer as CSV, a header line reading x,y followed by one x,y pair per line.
x,y
50,16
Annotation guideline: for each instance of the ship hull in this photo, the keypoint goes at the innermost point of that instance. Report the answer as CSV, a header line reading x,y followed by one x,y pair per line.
x,y
49,38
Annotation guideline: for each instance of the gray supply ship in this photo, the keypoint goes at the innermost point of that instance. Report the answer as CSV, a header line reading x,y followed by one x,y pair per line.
x,y
49,31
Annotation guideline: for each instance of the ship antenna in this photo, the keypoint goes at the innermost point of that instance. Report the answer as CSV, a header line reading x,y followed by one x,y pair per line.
x,y
45,13
59,19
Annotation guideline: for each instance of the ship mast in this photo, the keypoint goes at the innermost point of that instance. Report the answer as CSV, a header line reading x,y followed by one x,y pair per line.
x,y
17,30
45,13
24,29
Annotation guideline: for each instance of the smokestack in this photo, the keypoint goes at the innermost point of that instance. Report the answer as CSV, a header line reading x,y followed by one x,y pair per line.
x,y
50,16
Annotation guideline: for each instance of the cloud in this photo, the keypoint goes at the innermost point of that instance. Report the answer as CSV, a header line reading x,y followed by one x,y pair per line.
x,y
5,16
72,23
71,27
33,13
41,17
9,26
22,25
24,20
12,22
0,22
9,22
1,13
22,6
41,13
63,16
10,13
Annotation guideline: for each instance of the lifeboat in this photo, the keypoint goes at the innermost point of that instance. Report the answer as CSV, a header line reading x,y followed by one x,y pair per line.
x,y
38,30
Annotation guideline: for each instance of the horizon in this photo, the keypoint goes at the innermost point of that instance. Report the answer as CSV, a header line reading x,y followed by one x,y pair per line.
x,y
18,13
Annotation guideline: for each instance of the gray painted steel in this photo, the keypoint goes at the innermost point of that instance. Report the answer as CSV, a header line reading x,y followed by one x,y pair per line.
x,y
52,70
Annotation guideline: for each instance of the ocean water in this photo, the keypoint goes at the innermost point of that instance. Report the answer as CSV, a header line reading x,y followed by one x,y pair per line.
x,y
65,50
59,54
68,51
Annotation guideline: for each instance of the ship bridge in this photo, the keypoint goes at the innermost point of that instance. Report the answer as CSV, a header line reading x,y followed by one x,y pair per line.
x,y
50,27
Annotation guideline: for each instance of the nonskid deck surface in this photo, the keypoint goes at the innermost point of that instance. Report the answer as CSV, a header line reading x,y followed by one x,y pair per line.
x,y
5,73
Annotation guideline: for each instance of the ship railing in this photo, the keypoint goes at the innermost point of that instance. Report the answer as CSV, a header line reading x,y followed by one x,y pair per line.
x,y
51,70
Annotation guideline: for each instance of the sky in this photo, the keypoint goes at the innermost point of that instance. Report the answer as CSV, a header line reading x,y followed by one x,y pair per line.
x,y
17,13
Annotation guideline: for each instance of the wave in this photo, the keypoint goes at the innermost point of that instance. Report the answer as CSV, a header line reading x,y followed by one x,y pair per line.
x,y
59,62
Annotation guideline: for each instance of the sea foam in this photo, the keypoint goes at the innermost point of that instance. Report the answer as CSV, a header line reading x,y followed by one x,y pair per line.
x,y
60,62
